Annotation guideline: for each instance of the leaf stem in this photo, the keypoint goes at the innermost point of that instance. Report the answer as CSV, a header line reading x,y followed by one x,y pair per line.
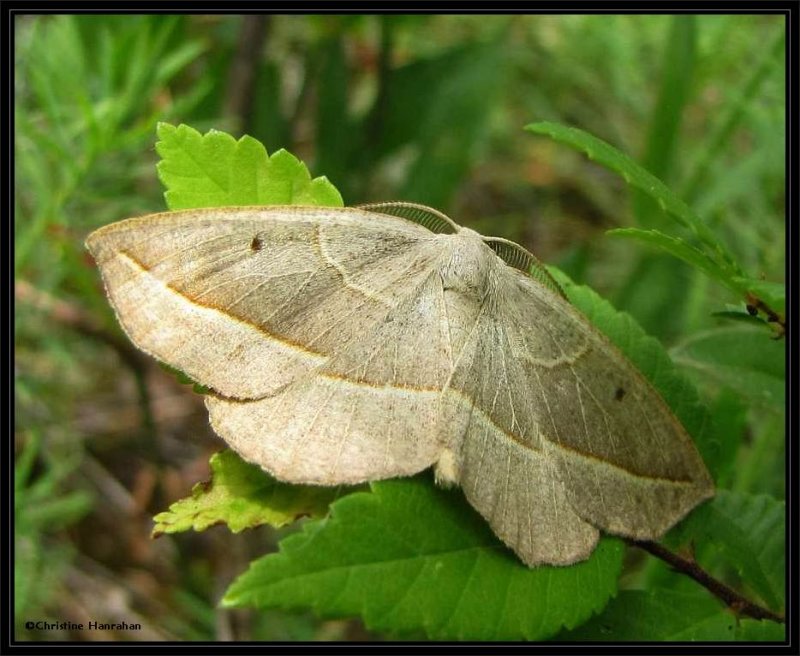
x,y
690,568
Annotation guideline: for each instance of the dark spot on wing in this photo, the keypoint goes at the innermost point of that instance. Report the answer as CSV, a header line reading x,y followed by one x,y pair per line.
x,y
619,394
257,244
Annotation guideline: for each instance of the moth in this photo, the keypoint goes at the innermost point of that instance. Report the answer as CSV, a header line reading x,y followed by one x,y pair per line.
x,y
345,345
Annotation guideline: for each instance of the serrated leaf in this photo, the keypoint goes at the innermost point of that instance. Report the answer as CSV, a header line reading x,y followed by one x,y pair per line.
x,y
667,615
639,178
215,170
745,532
740,357
683,250
243,496
411,558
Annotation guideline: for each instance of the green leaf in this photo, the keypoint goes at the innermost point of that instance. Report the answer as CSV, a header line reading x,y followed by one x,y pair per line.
x,y
243,496
761,467
215,170
745,532
667,615
662,315
641,179
729,414
760,631
411,558
741,316
740,357
683,250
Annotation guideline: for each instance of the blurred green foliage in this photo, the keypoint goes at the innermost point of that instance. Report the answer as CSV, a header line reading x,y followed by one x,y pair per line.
x,y
39,509
423,108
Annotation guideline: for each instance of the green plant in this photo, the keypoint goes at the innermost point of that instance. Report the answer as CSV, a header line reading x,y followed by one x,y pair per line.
x,y
41,510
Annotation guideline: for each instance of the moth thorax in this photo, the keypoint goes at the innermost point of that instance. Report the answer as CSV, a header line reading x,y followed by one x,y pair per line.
x,y
467,265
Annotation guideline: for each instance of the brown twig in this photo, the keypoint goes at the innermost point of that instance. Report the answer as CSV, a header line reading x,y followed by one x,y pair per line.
x,y
736,602
758,305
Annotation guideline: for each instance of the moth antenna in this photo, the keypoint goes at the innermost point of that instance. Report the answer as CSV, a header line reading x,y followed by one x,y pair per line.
x,y
429,218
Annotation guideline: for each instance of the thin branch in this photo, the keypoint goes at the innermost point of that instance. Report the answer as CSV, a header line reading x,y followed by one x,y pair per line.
x,y
755,304
690,568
